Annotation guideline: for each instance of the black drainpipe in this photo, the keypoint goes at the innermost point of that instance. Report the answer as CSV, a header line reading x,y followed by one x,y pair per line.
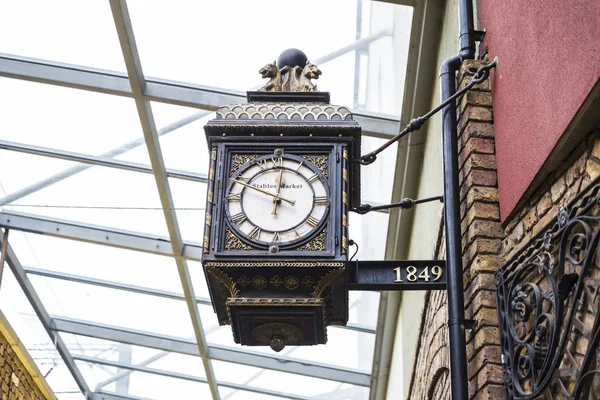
x,y
456,311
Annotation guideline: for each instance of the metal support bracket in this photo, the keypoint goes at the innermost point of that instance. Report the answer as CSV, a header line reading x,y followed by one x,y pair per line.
x,y
405,204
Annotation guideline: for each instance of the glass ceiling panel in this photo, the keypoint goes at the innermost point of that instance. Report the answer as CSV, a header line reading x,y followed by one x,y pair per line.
x,y
377,179
189,199
363,308
198,279
151,386
114,307
32,334
382,66
20,171
186,147
68,31
96,261
64,118
272,380
214,46
103,196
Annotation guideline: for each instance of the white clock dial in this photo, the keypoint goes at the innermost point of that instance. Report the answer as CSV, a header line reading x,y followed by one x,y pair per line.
x,y
277,200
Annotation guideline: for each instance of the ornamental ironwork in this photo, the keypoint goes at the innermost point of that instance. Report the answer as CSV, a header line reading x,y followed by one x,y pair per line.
x,y
548,302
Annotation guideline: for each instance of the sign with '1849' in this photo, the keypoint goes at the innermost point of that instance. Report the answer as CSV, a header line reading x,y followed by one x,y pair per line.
x,y
397,275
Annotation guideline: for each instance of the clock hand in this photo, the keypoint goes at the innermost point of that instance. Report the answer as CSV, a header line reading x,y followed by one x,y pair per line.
x,y
275,200
292,202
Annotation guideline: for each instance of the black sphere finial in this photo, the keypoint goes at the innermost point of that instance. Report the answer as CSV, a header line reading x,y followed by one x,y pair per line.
x,y
292,58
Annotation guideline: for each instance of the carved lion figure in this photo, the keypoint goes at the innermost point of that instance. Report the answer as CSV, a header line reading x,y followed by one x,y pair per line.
x,y
310,71
270,70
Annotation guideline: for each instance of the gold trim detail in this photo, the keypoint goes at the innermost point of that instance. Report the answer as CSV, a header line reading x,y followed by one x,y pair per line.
x,y
291,283
209,196
233,242
259,282
345,220
345,174
208,219
344,242
211,174
308,281
345,154
251,301
237,160
243,281
206,241
316,244
345,198
276,281
277,334
214,154
212,264
321,162
287,111
226,281
325,282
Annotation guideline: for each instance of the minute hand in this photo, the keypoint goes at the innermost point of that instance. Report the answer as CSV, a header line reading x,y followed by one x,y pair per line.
x,y
292,202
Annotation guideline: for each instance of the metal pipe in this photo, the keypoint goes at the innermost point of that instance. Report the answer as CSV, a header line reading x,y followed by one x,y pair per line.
x,y
456,316
456,311
466,38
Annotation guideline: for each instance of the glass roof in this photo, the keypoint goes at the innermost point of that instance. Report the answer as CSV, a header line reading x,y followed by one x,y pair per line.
x,y
92,285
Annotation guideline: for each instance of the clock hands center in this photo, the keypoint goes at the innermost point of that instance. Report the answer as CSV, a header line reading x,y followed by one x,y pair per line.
x,y
276,201
276,196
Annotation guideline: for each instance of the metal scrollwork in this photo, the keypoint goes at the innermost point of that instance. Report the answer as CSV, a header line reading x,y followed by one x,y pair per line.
x,y
548,299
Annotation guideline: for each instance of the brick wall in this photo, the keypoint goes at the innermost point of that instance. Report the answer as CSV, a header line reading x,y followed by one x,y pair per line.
x,y
19,377
487,244
482,246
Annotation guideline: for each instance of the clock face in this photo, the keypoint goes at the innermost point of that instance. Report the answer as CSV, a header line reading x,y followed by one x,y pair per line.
x,y
277,200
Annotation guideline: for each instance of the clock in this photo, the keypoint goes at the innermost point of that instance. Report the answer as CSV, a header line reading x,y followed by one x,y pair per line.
x,y
280,185
277,201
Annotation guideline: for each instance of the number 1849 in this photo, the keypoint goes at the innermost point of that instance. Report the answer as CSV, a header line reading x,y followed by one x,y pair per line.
x,y
413,274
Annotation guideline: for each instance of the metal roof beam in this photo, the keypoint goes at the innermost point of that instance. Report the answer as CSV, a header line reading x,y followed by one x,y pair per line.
x,y
97,235
42,314
216,352
113,285
177,375
51,180
155,89
97,160
138,85
152,292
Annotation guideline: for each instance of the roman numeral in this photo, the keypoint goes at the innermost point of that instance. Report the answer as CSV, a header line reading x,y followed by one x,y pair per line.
x,y
276,237
262,164
312,221
313,178
255,233
238,218
321,200
277,162
297,234
300,166
234,197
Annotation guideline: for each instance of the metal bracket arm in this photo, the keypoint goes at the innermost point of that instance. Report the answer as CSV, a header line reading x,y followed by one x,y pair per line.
x,y
415,124
405,204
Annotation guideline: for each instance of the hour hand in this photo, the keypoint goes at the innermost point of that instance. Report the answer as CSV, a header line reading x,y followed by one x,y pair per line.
x,y
276,196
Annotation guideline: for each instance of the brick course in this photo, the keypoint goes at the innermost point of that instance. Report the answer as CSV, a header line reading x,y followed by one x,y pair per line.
x,y
487,245
17,381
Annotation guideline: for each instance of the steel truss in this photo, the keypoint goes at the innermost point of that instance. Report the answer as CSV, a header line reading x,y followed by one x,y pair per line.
x,y
142,90
215,352
155,89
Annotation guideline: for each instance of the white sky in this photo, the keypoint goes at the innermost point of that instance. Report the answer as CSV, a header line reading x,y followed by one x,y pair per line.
x,y
214,43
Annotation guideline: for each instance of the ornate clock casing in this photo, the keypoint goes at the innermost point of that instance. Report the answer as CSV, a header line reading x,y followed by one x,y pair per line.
x,y
281,183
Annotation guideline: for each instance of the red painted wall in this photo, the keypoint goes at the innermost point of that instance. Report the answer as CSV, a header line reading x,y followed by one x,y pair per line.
x,y
549,59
